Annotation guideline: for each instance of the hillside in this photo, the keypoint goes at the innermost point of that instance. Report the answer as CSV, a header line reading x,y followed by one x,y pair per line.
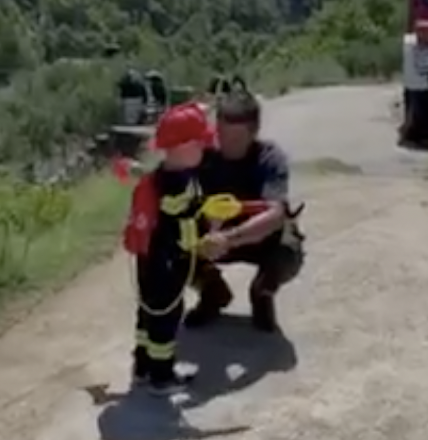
x,y
191,37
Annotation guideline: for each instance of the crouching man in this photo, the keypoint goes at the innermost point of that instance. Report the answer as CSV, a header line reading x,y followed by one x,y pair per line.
x,y
250,169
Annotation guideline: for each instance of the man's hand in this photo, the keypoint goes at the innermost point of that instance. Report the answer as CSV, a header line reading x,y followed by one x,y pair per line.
x,y
213,246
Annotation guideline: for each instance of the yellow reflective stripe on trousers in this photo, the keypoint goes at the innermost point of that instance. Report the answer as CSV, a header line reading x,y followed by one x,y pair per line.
x,y
142,338
155,350
161,352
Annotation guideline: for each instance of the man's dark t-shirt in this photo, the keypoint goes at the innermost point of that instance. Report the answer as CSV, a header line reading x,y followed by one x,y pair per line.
x,y
262,174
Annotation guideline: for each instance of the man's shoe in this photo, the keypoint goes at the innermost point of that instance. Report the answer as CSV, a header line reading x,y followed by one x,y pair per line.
x,y
264,314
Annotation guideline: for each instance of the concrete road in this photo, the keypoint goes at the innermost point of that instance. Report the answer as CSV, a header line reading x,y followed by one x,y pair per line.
x,y
351,361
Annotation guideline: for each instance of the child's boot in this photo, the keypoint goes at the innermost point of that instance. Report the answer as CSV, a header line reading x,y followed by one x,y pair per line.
x,y
166,380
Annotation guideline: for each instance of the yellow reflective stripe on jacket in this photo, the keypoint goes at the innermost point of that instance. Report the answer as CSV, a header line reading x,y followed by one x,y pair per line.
x,y
142,338
161,352
188,234
174,205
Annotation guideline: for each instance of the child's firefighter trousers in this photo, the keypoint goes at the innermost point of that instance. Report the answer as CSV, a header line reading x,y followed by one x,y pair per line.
x,y
161,279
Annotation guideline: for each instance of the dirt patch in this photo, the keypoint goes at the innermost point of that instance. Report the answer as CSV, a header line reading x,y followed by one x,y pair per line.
x,y
326,166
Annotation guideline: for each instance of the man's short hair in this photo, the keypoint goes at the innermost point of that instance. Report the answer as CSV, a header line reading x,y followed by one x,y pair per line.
x,y
239,107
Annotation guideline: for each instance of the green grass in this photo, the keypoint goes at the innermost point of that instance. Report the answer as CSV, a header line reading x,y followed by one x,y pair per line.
x,y
90,233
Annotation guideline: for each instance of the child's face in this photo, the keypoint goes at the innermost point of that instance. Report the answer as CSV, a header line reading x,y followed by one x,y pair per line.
x,y
184,156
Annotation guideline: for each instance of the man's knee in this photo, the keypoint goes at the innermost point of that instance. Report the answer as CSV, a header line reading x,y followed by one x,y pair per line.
x,y
290,261
282,266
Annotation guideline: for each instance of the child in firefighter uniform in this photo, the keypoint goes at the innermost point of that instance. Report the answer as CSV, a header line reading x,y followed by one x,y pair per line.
x,y
160,231
169,216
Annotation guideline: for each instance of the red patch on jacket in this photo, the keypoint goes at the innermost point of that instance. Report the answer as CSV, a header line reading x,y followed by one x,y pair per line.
x,y
143,217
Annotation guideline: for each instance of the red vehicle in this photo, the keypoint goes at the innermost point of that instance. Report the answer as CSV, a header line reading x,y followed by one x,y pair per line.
x,y
414,130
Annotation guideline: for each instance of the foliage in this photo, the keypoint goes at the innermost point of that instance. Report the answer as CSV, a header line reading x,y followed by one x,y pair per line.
x,y
48,235
27,212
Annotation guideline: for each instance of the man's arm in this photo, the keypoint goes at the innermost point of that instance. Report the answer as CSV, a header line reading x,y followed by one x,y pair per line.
x,y
274,166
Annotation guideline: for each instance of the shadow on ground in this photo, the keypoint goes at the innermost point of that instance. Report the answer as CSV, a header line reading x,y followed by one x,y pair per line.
x,y
231,345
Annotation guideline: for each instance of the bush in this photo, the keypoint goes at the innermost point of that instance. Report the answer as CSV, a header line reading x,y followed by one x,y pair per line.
x,y
27,213
49,234
344,39
317,71
375,60
43,109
